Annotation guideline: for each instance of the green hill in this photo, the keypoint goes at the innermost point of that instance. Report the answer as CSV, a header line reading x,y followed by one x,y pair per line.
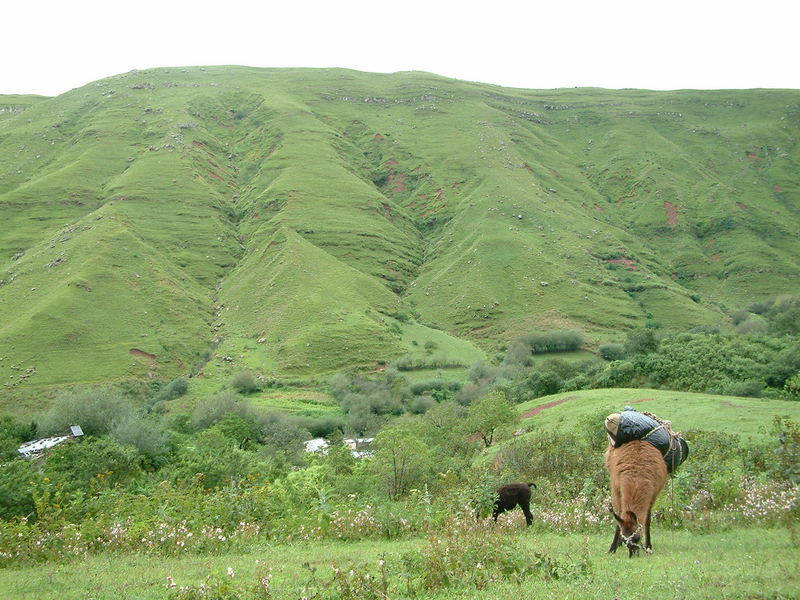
x,y
686,411
299,221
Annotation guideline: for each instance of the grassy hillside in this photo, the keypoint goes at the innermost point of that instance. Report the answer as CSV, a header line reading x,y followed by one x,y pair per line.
x,y
303,221
708,412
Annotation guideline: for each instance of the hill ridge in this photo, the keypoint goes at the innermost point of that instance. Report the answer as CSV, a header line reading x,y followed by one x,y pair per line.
x,y
474,209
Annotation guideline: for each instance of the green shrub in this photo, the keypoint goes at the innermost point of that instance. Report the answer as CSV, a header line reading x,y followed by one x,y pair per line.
x,y
553,341
147,435
611,352
325,426
432,385
245,382
641,341
619,373
174,389
284,434
92,463
17,480
14,433
212,409
95,410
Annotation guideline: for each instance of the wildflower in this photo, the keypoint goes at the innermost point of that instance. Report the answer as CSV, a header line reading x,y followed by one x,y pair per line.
x,y
230,572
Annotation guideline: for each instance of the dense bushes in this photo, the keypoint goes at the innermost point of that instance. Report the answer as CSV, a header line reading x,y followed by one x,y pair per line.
x,y
721,364
551,341
96,410
700,362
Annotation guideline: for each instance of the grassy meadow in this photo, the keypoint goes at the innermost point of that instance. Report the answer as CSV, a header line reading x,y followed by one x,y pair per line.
x,y
740,563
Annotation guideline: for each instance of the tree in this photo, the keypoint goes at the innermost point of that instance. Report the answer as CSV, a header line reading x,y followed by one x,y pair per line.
x,y
518,353
245,382
401,459
641,341
611,351
97,411
488,415
793,384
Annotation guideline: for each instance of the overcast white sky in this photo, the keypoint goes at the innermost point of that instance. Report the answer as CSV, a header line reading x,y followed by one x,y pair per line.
x,y
50,47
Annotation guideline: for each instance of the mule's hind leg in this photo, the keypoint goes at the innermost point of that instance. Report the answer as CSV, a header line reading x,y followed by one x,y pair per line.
x,y
647,545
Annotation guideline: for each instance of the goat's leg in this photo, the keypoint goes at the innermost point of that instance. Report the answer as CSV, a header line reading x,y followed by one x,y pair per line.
x,y
616,541
526,510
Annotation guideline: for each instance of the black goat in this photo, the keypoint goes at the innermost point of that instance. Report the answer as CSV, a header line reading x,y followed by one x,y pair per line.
x,y
511,495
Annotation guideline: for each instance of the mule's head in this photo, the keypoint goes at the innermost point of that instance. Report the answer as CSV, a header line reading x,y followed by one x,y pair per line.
x,y
630,531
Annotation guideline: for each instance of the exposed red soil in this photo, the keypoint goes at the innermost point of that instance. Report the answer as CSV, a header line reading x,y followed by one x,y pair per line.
x,y
752,155
457,184
224,125
731,404
439,194
135,352
626,262
741,205
535,411
555,174
378,137
397,179
215,176
387,208
391,162
717,257
256,216
640,400
777,188
672,213
480,328
198,144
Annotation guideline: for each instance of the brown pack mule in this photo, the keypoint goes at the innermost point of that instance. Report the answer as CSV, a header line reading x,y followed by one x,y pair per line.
x,y
638,473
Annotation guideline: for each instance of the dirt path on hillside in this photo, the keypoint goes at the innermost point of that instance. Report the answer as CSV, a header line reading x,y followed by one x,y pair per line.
x,y
536,410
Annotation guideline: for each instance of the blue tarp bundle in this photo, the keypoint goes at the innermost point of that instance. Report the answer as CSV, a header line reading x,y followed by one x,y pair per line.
x,y
630,425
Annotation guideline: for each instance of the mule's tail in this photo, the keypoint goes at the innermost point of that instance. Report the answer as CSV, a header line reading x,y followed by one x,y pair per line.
x,y
533,485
